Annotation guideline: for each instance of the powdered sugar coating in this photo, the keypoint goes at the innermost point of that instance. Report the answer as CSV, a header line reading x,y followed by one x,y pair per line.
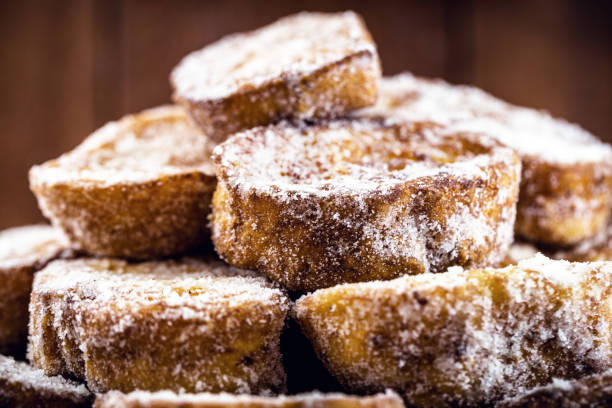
x,y
184,325
528,131
21,385
296,45
167,399
519,251
304,65
137,148
139,187
566,186
344,201
465,337
591,391
23,251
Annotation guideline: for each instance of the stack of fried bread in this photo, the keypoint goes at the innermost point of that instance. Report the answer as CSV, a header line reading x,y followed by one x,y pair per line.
x,y
363,231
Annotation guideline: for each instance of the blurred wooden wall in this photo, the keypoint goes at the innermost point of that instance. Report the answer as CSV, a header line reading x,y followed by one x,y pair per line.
x,y
70,66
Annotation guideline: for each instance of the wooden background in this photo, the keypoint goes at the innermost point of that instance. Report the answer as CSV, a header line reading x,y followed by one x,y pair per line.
x,y
70,66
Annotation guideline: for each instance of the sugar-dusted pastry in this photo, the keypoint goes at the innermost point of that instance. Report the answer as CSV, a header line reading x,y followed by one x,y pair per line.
x,y
308,65
22,386
465,337
23,251
566,185
138,188
192,325
167,399
314,205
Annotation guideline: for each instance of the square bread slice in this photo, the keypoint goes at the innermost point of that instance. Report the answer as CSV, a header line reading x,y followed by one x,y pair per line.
x,y
23,386
566,184
138,188
465,338
308,65
166,399
23,251
190,325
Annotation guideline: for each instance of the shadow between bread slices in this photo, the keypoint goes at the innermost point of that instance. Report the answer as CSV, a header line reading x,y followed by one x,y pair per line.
x,y
312,205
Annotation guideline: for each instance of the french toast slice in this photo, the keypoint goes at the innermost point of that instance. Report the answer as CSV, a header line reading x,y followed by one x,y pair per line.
x,y
23,386
314,205
593,391
190,325
23,251
566,184
465,338
138,188
308,65
166,399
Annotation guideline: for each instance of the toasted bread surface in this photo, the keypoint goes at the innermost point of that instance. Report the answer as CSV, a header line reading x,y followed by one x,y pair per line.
x,y
465,338
139,188
165,399
312,206
192,325
22,386
306,65
23,251
566,185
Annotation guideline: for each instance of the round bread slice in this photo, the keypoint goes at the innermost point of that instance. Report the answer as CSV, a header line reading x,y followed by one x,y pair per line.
x,y
188,325
23,251
139,188
465,338
166,399
305,65
566,184
593,391
23,386
312,206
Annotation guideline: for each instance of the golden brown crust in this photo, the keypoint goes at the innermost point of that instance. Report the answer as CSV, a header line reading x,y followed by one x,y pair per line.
x,y
166,399
285,70
23,251
566,184
596,248
22,386
465,338
138,188
180,325
594,391
312,206
563,204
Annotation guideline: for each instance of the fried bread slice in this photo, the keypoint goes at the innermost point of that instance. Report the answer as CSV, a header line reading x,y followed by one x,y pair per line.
x,y
23,251
465,338
22,386
139,188
593,391
566,185
192,325
308,65
166,399
314,205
